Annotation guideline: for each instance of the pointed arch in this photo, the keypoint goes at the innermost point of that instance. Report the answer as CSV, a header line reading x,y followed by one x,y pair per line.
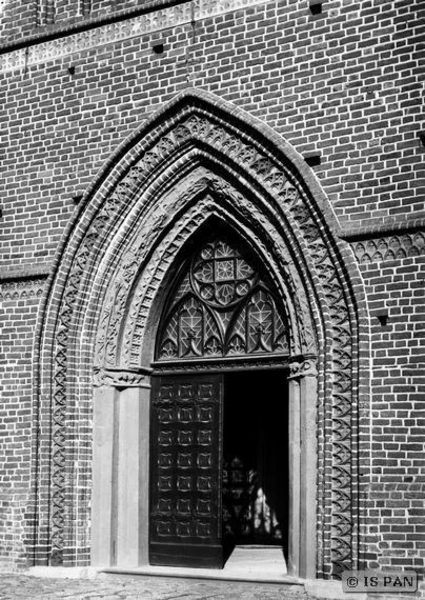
x,y
197,158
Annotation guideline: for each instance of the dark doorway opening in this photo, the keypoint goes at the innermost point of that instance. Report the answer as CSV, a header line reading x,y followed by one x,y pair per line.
x,y
255,459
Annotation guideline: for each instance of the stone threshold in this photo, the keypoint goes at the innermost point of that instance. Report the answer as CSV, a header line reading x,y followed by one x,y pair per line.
x,y
264,564
187,573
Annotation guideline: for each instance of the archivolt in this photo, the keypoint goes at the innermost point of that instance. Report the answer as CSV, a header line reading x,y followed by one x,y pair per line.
x,y
197,158
168,227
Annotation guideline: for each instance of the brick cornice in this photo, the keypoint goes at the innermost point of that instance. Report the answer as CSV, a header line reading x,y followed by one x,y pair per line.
x,y
79,24
59,41
25,272
379,229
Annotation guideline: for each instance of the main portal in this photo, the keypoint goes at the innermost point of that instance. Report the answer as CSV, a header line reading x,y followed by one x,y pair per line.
x,y
217,414
218,465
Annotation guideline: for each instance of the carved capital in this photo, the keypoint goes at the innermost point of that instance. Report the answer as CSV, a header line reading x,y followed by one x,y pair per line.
x,y
302,366
121,377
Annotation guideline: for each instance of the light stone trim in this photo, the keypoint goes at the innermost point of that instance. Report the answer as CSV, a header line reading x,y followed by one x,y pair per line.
x,y
303,367
121,377
119,31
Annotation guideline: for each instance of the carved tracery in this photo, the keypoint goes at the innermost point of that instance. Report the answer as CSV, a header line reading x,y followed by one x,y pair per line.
x,y
222,306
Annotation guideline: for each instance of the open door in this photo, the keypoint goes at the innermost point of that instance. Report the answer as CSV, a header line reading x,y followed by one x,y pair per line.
x,y
186,488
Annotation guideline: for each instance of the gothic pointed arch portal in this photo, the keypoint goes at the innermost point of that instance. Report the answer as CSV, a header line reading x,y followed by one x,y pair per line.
x,y
198,160
216,477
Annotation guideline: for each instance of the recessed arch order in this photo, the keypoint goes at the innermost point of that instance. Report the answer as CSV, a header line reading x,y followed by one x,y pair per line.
x,y
198,160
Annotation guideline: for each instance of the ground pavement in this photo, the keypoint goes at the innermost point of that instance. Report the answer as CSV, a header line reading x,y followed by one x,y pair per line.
x,y
105,586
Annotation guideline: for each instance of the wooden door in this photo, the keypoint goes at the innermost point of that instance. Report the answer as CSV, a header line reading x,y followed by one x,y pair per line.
x,y
186,471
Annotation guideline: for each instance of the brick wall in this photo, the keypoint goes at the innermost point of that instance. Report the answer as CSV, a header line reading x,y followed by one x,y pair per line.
x,y
334,83
19,304
395,493
16,18
346,84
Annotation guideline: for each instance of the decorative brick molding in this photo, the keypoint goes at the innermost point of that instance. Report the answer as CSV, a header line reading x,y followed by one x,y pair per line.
x,y
392,240
18,290
394,247
200,158
26,282
118,30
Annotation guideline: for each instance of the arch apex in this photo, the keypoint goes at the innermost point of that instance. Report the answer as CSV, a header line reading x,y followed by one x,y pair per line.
x,y
215,110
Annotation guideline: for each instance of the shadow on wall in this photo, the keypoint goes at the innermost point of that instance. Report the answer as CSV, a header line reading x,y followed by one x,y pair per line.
x,y
255,460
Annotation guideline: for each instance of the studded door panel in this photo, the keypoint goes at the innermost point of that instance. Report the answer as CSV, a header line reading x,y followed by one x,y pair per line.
x,y
186,441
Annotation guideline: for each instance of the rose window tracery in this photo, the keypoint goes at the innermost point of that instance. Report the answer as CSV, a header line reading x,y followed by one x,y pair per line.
x,y
222,307
221,276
